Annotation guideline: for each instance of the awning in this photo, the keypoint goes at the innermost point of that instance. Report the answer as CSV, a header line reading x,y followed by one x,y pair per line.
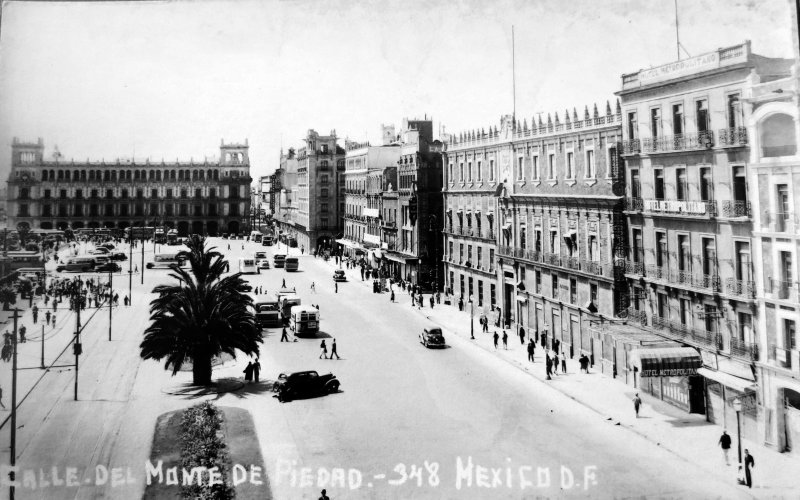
x,y
347,243
460,211
728,380
666,361
507,230
490,214
400,258
449,211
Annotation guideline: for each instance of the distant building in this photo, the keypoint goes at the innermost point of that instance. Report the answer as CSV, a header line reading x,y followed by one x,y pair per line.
x,y
208,197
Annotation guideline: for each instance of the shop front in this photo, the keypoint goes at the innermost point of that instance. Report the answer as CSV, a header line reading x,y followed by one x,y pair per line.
x,y
670,374
729,384
612,346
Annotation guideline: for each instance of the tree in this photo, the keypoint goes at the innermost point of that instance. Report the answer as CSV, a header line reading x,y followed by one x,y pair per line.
x,y
7,296
202,316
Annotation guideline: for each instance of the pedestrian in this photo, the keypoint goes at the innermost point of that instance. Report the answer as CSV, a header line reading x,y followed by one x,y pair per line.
x,y
324,496
323,350
283,284
522,335
505,340
284,337
336,286
22,331
438,297
35,314
555,363
256,370
548,366
485,324
749,463
248,372
556,345
229,246
302,249
563,363
496,336
136,268
391,297
55,304
313,287
432,301
531,348
333,350
725,443
637,402
47,318
584,362
54,320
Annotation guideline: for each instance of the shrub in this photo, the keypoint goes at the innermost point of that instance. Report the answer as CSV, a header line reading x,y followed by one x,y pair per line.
x,y
202,446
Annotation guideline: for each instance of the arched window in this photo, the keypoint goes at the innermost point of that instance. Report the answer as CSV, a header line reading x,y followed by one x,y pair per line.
x,y
44,175
113,175
158,175
201,175
777,136
52,175
152,175
83,175
60,175
216,175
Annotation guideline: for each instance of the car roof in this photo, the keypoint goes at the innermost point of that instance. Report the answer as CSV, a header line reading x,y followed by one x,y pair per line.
x,y
309,372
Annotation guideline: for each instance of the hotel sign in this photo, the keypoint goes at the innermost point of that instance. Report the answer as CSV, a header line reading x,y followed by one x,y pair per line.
x,y
679,68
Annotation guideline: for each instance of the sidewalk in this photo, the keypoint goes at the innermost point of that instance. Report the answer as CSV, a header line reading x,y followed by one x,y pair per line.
x,y
689,436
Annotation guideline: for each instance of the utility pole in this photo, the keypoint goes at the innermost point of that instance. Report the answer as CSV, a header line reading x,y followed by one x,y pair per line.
x,y
110,304
42,346
142,270
78,301
130,262
13,406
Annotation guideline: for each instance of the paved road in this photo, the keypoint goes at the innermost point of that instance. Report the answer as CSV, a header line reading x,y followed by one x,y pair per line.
x,y
452,423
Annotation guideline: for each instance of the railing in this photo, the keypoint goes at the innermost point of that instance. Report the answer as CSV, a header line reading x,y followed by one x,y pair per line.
x,y
782,357
687,278
680,207
639,316
702,337
784,290
505,250
736,136
680,142
634,204
571,263
741,288
657,272
632,146
744,349
734,208
552,259
632,267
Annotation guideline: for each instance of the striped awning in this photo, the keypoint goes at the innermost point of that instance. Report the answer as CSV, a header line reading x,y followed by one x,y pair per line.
x,y
666,361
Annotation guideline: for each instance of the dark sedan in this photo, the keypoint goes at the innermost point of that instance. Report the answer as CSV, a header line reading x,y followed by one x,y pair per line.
x,y
304,384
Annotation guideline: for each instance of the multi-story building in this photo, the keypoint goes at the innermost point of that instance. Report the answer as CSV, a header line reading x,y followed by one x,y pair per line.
x,y
774,183
551,190
319,165
690,217
418,250
208,197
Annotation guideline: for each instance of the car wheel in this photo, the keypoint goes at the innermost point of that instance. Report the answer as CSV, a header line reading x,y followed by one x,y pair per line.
x,y
333,387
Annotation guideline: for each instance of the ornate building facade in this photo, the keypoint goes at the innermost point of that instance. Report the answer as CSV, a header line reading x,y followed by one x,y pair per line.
x,y
192,197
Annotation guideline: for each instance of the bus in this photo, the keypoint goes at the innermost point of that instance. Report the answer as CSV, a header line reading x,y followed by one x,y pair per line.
x,y
286,303
165,261
248,266
172,237
292,264
304,320
278,259
267,312
267,240
140,232
160,237
255,236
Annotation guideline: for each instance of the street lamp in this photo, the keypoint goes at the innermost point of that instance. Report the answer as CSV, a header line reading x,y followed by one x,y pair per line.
x,y
737,407
471,319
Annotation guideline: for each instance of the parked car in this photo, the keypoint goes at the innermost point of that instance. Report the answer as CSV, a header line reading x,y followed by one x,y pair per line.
x,y
108,267
432,337
118,256
264,264
109,246
100,251
302,384
338,275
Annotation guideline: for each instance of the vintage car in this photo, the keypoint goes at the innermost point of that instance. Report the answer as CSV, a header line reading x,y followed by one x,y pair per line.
x,y
302,384
108,267
338,275
247,287
432,337
100,251
118,256
264,264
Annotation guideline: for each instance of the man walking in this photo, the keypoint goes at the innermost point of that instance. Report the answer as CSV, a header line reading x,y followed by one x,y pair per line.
x,y
522,335
35,314
749,463
47,317
336,286
637,402
432,301
485,324
505,340
496,336
531,347
563,363
391,297
313,287
256,369
323,350
725,443
333,350
548,366
284,337
555,363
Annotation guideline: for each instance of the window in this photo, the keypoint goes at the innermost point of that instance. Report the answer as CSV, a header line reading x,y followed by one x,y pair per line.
x,y
323,207
789,335
734,111
323,192
479,174
154,209
537,276
212,209
638,246
590,173
198,193
677,119
212,193
702,115
739,188
745,327
184,194
681,186
63,193
123,210
469,255
593,293
198,210
139,209
450,249
709,257
450,172
684,253
169,209
520,174
108,210
491,260
492,173
661,249
469,288
23,210
124,194
706,184
47,194
554,246
461,172
662,303
784,214
94,193
573,290
570,165
551,166
522,238
492,295
480,293
323,179
636,184
658,181
169,194
461,278
633,126
183,209
480,257
47,210
655,122
686,312
554,286
593,248
535,167
323,222
469,171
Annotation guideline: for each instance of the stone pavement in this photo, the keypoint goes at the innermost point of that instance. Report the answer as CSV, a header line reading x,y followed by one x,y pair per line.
x,y
689,436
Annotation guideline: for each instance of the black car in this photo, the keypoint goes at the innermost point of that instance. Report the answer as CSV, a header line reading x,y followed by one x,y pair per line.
x,y
432,337
118,256
108,267
302,384
247,287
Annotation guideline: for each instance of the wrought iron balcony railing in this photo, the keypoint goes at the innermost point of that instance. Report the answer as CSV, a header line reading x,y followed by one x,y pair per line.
x,y
687,333
742,288
632,146
681,207
736,136
744,349
734,208
679,142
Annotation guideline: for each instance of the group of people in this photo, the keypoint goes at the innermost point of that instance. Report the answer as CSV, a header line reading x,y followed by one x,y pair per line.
x,y
252,371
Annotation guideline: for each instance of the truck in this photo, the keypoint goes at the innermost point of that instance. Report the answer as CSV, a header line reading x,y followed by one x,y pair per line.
x,y
286,303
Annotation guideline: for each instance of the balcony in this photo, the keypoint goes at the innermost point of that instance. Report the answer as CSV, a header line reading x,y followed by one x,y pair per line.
x,y
638,316
632,267
734,208
736,136
552,259
680,207
687,333
680,142
742,288
783,290
744,349
686,278
633,204
632,146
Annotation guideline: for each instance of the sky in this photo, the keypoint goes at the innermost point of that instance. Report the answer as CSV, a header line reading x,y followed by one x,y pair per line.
x,y
107,80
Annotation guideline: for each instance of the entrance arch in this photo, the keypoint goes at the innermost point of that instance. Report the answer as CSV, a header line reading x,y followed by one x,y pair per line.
x,y
62,225
233,227
197,227
46,225
183,228
212,228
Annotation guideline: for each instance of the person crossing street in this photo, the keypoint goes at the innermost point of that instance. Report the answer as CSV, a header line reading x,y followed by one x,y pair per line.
x,y
333,350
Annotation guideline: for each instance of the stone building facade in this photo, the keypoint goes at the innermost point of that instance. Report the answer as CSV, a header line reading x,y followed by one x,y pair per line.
x,y
209,197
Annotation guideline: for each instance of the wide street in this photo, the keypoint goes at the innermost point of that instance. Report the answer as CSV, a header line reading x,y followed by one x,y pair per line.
x,y
409,422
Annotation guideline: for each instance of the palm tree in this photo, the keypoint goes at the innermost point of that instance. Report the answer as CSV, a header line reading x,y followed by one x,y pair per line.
x,y
202,316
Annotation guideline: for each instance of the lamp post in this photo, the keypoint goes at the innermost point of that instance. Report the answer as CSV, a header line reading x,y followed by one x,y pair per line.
x,y
737,407
471,319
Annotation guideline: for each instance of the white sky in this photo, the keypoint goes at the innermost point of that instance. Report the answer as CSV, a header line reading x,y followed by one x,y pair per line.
x,y
170,79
